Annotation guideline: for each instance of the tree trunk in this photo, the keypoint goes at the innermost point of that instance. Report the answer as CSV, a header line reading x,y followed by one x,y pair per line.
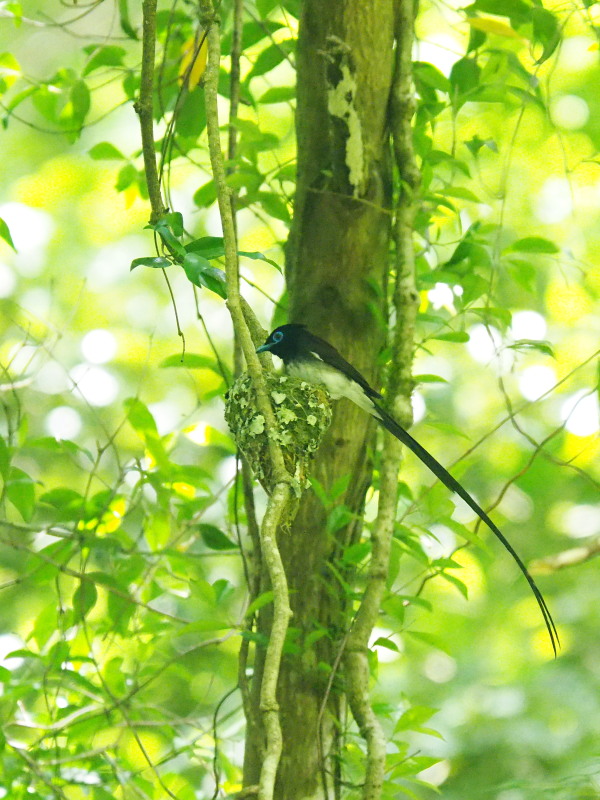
x,y
337,261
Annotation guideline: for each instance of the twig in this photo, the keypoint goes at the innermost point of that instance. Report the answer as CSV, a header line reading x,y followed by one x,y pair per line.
x,y
279,498
566,558
144,106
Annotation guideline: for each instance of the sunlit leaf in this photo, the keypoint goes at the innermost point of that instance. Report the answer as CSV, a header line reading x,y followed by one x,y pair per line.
x,y
454,336
201,273
533,344
533,244
193,63
5,234
205,195
427,378
105,151
464,76
546,30
20,490
431,76
84,599
189,361
109,55
156,262
270,57
278,94
125,21
495,26
208,247
260,257
139,416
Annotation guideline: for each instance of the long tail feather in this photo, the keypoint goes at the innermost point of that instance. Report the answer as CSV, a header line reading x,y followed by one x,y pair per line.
x,y
390,424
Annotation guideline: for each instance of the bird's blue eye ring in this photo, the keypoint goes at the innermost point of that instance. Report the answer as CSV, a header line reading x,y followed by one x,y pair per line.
x,y
277,336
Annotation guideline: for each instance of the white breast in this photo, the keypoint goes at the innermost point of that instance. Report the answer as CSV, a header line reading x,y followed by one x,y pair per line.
x,y
336,383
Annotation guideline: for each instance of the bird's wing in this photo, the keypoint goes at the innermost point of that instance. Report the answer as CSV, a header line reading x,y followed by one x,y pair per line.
x,y
326,352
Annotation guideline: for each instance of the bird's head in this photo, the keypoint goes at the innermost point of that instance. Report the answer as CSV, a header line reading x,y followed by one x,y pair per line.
x,y
284,341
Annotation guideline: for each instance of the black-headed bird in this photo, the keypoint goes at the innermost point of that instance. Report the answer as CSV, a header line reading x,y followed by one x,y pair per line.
x,y
314,360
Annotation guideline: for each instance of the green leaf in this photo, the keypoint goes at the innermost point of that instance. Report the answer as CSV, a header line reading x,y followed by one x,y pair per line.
x,y
460,585
464,76
5,234
107,56
62,446
16,100
389,644
156,262
84,599
256,256
157,530
105,151
214,538
533,244
140,417
175,222
206,195
10,70
14,7
264,7
64,499
338,517
533,344
191,114
426,378
201,273
252,33
429,639
278,94
517,11
414,718
124,20
270,57
189,361
170,229
455,336
127,175
546,30
431,76
462,193
208,246
274,205
4,458
80,102
355,553
20,490
523,272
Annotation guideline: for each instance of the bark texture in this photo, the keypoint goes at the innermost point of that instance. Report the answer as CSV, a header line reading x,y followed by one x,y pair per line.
x,y
337,261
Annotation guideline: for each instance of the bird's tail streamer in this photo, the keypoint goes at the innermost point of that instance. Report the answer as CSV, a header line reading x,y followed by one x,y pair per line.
x,y
390,424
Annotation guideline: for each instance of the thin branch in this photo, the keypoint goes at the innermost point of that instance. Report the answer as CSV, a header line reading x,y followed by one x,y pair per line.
x,y
280,496
144,106
566,558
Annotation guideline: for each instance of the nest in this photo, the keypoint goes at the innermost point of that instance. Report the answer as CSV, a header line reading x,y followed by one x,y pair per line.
x,y
303,414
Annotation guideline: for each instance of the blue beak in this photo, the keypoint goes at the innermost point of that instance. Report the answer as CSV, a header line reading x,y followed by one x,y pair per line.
x,y
264,347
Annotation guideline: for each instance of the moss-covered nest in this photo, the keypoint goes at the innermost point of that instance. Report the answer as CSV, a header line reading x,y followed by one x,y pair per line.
x,y
303,414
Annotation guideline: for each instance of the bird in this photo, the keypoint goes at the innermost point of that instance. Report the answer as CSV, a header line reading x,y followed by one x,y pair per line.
x,y
314,360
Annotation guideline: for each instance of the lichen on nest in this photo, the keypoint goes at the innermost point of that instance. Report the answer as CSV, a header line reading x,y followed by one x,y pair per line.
x,y
303,414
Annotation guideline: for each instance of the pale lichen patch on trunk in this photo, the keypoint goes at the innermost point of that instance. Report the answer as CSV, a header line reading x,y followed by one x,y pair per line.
x,y
341,105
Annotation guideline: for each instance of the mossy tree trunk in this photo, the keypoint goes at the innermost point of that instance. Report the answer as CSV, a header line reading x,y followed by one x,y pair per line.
x,y
337,264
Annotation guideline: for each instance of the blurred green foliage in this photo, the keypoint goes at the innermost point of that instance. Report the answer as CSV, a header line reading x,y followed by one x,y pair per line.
x,y
123,595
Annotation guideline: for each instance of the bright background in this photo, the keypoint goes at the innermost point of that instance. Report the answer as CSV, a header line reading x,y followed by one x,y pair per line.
x,y
128,487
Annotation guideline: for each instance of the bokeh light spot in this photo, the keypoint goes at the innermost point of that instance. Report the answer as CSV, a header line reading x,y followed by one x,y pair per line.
x,y
63,422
